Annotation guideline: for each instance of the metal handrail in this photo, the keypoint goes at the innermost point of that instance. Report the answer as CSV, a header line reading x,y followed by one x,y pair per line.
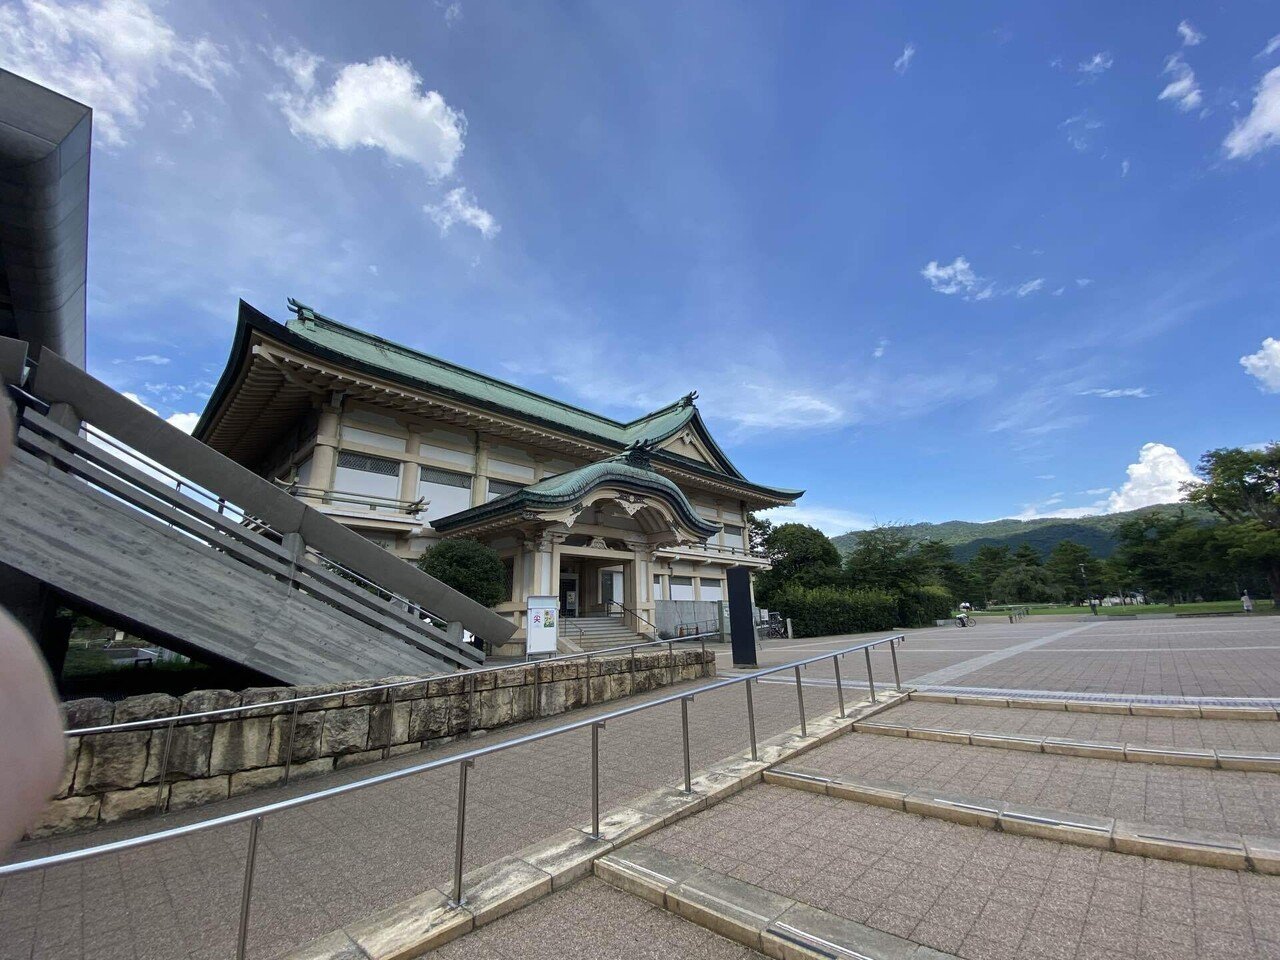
x,y
465,761
615,603
696,624
178,719
327,495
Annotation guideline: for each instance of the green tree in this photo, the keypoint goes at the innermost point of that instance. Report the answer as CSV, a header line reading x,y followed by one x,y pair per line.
x,y
1025,583
802,556
988,564
1074,571
884,558
758,530
1243,488
470,567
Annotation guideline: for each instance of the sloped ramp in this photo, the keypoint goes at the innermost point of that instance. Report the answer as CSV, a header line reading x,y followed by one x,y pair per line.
x,y
174,556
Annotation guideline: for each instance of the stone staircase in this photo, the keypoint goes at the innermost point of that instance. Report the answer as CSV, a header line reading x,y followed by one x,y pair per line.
x,y
599,632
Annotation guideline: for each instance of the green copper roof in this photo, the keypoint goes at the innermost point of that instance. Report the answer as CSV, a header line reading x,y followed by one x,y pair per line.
x,y
404,362
629,470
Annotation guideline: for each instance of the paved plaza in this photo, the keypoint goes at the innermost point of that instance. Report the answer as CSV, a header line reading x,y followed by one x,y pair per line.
x,y
958,889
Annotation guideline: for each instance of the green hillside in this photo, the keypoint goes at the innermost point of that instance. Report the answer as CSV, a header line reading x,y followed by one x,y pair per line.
x,y
1097,533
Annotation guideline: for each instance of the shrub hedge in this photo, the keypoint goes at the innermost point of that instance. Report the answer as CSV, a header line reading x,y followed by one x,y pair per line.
x,y
824,611
827,611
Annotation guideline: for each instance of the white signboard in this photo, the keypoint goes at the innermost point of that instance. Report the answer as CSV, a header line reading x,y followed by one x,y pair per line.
x,y
541,624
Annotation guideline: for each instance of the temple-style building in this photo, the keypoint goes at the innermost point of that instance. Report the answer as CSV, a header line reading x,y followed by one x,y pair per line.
x,y
407,449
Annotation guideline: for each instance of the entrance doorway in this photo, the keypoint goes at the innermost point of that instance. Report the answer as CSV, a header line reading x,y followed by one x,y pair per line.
x,y
568,595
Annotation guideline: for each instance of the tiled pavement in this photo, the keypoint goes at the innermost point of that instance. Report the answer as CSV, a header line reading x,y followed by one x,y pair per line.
x,y
979,894
333,862
1158,731
592,921
1202,799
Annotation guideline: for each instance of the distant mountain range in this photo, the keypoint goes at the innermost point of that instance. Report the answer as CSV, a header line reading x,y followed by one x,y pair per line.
x,y
1096,533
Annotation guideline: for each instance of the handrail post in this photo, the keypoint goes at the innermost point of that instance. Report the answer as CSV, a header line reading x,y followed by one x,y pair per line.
x,y
246,892
288,743
595,779
671,663
893,652
588,679
164,763
870,681
463,767
839,686
537,698
804,732
684,723
751,722
389,700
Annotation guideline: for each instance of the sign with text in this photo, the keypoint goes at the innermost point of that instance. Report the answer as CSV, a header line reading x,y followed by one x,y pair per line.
x,y
540,624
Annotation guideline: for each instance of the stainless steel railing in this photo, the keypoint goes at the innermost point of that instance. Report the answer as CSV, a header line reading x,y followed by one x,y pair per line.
x,y
465,761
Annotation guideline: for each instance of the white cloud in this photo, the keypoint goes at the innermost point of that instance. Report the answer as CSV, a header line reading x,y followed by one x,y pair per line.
x,y
1157,477
1083,281
379,105
1098,63
1059,291
1081,131
1191,37
154,358
1183,88
452,12
903,63
1030,287
111,55
1047,476
881,346
1124,167
1261,128
1114,393
459,206
832,521
1265,365
186,422
957,277
1272,46
300,65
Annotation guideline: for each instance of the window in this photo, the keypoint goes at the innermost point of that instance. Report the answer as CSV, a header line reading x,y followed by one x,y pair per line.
x,y
712,589
657,587
371,439
500,488
368,476
733,537
682,588
447,491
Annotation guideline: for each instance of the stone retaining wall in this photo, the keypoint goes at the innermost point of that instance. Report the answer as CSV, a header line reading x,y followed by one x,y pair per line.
x,y
116,776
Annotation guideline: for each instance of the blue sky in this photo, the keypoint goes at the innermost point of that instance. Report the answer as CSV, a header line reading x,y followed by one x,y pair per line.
x,y
926,261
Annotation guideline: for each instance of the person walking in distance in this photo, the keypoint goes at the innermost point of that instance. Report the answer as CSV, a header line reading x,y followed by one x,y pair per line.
x,y
1246,601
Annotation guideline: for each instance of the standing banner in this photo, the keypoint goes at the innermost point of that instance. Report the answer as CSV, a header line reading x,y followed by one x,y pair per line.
x,y
742,627
540,624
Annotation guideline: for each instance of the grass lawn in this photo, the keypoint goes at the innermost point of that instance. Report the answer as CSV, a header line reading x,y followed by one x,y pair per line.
x,y
1210,606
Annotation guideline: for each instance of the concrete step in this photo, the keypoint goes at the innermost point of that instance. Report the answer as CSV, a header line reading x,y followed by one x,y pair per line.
x,y
1231,851
775,925
1173,707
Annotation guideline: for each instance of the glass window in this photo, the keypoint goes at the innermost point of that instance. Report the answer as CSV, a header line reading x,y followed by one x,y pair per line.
x,y
682,588
733,536
500,488
448,491
363,475
712,589
657,587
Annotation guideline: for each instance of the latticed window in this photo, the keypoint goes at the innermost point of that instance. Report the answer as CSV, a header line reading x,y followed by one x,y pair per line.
x,y
500,488
367,464
446,478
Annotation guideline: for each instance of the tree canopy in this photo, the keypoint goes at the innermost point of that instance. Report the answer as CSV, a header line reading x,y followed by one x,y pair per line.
x,y
470,567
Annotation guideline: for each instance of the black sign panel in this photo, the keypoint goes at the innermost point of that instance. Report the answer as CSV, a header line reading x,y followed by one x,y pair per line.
x,y
742,626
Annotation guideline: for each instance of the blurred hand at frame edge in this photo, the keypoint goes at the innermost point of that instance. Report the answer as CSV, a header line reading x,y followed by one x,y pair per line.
x,y
32,754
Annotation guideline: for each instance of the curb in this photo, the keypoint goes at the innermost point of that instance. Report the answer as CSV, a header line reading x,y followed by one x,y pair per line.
x,y
1133,709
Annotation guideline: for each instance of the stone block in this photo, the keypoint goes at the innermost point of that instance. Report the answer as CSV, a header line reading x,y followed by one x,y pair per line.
x,y
240,745
311,768
65,816
1164,710
978,700
402,748
729,907
366,697
883,729
956,807
345,731
381,723
522,704
1256,762
1037,704
1264,854
1178,843
1144,753
804,932
332,946
498,888
493,708
1082,748
810,782
194,793
128,804
457,714
551,698
925,696
449,686
265,696
565,857
71,747
420,720
199,701
599,689
188,752
355,759
1065,826
668,804
1236,713
249,780
619,685
147,706
91,712
880,793
111,761
1001,741
644,872
939,736
1098,706
412,928
306,737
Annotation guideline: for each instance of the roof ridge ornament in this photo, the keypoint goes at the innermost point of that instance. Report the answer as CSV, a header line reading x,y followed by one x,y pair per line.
x,y
688,398
637,453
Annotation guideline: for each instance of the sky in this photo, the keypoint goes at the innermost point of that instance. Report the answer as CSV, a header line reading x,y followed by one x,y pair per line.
x,y
927,262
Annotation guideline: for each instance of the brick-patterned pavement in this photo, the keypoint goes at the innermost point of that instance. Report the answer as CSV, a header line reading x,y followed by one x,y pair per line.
x,y
592,921
1203,799
977,893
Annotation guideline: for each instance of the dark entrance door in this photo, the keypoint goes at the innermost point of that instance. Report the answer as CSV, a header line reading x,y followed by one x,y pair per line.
x,y
568,596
